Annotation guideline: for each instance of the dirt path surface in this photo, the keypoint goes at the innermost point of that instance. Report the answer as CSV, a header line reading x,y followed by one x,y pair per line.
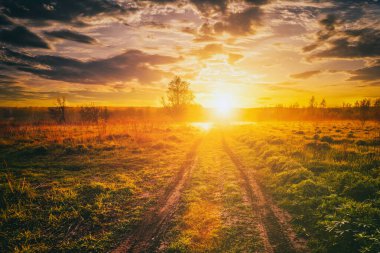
x,y
275,230
146,237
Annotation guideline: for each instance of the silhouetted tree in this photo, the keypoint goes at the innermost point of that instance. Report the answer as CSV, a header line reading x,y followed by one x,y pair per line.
x,y
377,103
364,106
323,104
376,106
312,102
295,105
178,97
93,114
58,113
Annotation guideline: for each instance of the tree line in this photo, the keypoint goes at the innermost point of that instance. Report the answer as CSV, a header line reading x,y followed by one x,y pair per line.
x,y
178,104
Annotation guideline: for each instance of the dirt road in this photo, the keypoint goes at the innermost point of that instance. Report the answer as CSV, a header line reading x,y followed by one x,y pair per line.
x,y
272,224
154,223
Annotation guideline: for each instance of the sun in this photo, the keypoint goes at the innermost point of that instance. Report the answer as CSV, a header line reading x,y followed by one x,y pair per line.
x,y
223,105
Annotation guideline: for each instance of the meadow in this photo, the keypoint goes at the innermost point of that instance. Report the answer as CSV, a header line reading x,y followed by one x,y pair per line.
x,y
326,175
80,187
162,187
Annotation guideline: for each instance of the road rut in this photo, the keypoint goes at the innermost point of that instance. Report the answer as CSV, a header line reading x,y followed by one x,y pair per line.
x,y
147,236
275,230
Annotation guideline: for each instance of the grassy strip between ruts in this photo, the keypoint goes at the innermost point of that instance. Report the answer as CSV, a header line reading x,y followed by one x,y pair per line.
x,y
215,214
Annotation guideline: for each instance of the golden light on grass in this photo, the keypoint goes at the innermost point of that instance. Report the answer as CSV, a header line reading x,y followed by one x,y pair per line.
x,y
205,126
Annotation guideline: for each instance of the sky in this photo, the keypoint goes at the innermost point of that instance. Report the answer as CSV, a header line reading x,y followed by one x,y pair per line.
x,y
251,52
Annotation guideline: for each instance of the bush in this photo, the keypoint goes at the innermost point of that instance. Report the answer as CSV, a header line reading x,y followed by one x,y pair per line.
x,y
317,146
293,176
327,139
309,188
93,114
362,190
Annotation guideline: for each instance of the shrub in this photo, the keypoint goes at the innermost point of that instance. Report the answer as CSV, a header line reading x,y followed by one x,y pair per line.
x,y
327,139
317,146
275,141
362,189
361,143
293,176
93,114
309,188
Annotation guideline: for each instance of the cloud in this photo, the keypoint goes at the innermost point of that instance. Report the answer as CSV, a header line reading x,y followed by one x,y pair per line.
x,y
205,33
232,58
306,74
240,23
367,74
209,6
63,11
4,20
208,51
70,35
11,90
128,66
353,44
342,37
258,2
20,36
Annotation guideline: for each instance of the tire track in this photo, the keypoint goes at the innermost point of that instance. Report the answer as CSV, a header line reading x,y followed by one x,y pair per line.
x,y
275,230
147,236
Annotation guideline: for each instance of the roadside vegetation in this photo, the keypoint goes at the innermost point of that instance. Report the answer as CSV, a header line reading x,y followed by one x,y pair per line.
x,y
79,188
326,175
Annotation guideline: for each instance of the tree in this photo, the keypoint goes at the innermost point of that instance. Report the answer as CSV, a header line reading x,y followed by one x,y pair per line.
x,y
58,113
93,114
323,104
364,106
178,97
376,106
312,102
377,103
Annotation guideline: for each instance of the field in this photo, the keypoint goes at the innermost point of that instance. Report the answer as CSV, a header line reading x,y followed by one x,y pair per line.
x,y
135,187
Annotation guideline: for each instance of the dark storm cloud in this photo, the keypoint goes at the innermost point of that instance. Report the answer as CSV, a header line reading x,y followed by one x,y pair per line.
x,y
71,35
367,74
6,79
11,90
22,37
241,23
349,2
208,7
343,32
306,74
133,64
328,30
258,2
353,44
62,10
4,20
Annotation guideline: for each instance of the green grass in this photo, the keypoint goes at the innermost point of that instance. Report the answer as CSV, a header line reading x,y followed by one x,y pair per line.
x,y
84,189
330,184
69,189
